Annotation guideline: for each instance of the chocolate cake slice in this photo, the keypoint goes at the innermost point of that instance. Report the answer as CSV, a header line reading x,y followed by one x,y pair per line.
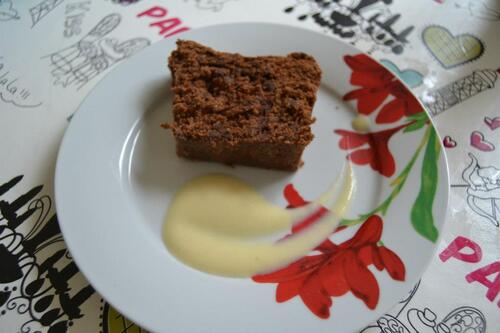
x,y
232,109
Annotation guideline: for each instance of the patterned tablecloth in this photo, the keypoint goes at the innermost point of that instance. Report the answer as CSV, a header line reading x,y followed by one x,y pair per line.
x,y
53,52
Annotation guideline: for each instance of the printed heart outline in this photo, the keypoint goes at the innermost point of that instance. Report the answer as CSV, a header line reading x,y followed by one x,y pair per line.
x,y
492,123
447,66
478,141
409,76
448,142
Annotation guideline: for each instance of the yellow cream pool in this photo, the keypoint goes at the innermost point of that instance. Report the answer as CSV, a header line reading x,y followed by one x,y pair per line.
x,y
220,225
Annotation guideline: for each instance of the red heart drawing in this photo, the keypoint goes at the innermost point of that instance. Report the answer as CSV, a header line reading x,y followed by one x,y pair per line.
x,y
493,123
477,141
448,142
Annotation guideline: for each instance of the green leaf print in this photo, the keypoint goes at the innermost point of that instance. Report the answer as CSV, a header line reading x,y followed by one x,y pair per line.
x,y
421,212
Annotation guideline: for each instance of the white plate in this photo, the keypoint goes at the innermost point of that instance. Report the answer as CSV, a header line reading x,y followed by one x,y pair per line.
x,y
117,170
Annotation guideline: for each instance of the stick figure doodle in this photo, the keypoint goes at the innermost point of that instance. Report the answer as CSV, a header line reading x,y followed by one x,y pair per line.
x,y
93,54
483,190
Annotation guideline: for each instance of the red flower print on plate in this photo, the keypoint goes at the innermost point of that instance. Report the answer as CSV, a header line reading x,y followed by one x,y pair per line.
x,y
377,83
336,269
370,148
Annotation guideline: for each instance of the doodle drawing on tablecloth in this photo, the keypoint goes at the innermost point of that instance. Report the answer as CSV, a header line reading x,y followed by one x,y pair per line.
x,y
114,322
11,90
478,141
480,9
482,190
355,21
492,123
125,2
42,9
448,142
451,50
93,54
7,11
462,319
441,99
75,12
411,77
390,323
36,269
214,5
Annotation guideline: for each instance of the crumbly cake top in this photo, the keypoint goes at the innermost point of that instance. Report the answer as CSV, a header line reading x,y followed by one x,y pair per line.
x,y
226,96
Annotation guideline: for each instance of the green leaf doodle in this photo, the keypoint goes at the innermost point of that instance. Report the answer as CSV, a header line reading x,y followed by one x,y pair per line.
x,y
421,212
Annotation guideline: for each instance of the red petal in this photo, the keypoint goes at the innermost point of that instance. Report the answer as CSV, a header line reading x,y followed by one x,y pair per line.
x,y
293,197
362,156
361,281
383,161
355,94
289,289
391,112
354,62
295,270
351,139
375,79
413,106
362,62
327,246
368,99
340,228
316,215
365,255
371,101
357,62
333,278
378,155
315,297
392,263
377,261
369,233
367,72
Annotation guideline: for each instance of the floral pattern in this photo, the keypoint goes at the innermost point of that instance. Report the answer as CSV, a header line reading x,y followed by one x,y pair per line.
x,y
337,269
370,148
333,270
377,84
